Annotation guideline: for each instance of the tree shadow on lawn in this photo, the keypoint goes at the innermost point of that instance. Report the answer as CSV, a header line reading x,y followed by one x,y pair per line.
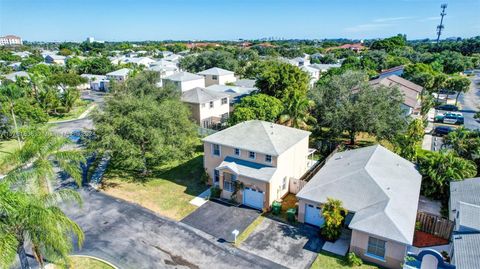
x,y
187,173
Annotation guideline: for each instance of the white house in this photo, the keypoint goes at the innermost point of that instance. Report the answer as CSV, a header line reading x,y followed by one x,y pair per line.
x,y
119,75
217,76
96,82
185,81
324,67
312,72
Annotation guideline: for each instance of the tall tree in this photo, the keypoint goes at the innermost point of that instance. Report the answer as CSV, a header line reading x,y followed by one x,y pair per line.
x,y
9,94
40,221
439,168
297,112
257,107
282,81
459,85
408,143
347,103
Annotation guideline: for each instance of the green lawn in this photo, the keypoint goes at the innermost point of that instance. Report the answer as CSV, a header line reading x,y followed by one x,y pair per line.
x,y
80,107
168,191
77,262
327,260
7,147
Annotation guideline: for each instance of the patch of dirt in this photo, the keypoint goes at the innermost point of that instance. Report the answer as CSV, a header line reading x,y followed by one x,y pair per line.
x,y
422,239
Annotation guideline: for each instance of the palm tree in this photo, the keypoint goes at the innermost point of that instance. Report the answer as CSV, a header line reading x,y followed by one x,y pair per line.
x,y
34,163
8,95
297,112
38,220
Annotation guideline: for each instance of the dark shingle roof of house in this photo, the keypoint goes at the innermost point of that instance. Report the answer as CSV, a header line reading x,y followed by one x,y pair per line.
x,y
409,89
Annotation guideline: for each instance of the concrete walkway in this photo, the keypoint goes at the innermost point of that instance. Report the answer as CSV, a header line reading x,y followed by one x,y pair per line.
x,y
201,199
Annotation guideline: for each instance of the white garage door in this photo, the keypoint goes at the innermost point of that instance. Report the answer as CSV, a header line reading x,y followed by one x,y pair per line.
x,y
253,198
312,215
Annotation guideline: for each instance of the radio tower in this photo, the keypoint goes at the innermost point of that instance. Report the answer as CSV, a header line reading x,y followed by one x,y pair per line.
x,y
440,26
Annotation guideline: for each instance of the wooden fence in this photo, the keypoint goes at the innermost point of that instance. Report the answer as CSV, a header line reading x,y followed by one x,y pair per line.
x,y
434,225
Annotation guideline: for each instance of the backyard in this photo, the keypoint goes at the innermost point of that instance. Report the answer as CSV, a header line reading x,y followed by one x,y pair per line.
x,y
327,260
168,191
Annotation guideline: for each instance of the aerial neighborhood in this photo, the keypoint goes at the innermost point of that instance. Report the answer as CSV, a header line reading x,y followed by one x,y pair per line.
x,y
260,153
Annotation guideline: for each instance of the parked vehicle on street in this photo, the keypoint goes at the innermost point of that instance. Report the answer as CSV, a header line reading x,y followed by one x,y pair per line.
x,y
447,107
450,118
442,130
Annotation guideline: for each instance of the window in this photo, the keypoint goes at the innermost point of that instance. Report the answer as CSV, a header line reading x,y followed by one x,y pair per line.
x,y
268,158
216,176
211,104
224,101
251,155
214,77
203,105
284,183
216,150
376,248
228,182
236,152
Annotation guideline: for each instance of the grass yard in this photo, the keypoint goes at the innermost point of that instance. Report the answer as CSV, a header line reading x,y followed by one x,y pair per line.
x,y
80,107
7,147
78,262
327,260
168,191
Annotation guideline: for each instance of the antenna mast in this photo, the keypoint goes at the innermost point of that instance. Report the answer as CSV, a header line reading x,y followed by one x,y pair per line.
x,y
440,27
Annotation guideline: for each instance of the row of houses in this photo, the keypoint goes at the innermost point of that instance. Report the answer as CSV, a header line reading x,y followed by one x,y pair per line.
x,y
379,189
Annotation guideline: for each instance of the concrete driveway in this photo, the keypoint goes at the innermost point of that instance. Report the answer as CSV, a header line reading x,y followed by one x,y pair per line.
x,y
291,246
130,236
219,219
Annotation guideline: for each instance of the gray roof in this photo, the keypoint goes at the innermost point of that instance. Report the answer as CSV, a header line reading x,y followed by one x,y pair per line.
x,y
215,71
119,72
409,89
259,136
183,76
248,83
231,90
466,251
92,77
248,169
464,191
200,95
324,66
13,76
381,188
468,216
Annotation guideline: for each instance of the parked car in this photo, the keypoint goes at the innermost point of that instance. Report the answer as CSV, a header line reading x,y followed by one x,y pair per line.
x,y
447,107
450,118
442,130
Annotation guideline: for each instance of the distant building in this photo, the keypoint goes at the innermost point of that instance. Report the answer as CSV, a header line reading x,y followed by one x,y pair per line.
x,y
217,76
119,75
10,40
184,81
398,70
90,39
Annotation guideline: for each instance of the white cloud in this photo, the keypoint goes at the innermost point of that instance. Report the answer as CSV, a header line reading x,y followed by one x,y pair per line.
x,y
392,19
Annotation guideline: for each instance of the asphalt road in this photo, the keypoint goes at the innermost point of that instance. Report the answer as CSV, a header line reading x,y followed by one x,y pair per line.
x,y
470,103
130,236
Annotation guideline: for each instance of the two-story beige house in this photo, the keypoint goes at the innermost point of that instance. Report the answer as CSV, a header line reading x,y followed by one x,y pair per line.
x,y
208,107
254,161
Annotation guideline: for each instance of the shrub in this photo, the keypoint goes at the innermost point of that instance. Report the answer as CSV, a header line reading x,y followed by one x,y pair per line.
x,y
205,177
334,214
215,192
353,260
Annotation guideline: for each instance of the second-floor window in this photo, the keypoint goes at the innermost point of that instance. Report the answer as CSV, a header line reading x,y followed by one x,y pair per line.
x,y
236,152
214,77
211,104
224,101
251,155
268,158
216,150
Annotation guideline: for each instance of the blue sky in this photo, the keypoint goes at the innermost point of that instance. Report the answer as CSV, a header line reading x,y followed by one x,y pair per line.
x,y
116,20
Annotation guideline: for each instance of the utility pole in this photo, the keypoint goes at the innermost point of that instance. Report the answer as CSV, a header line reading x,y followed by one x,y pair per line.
x,y
440,26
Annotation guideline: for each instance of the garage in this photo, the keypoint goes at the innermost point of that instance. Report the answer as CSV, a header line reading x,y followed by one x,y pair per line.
x,y
313,215
253,198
